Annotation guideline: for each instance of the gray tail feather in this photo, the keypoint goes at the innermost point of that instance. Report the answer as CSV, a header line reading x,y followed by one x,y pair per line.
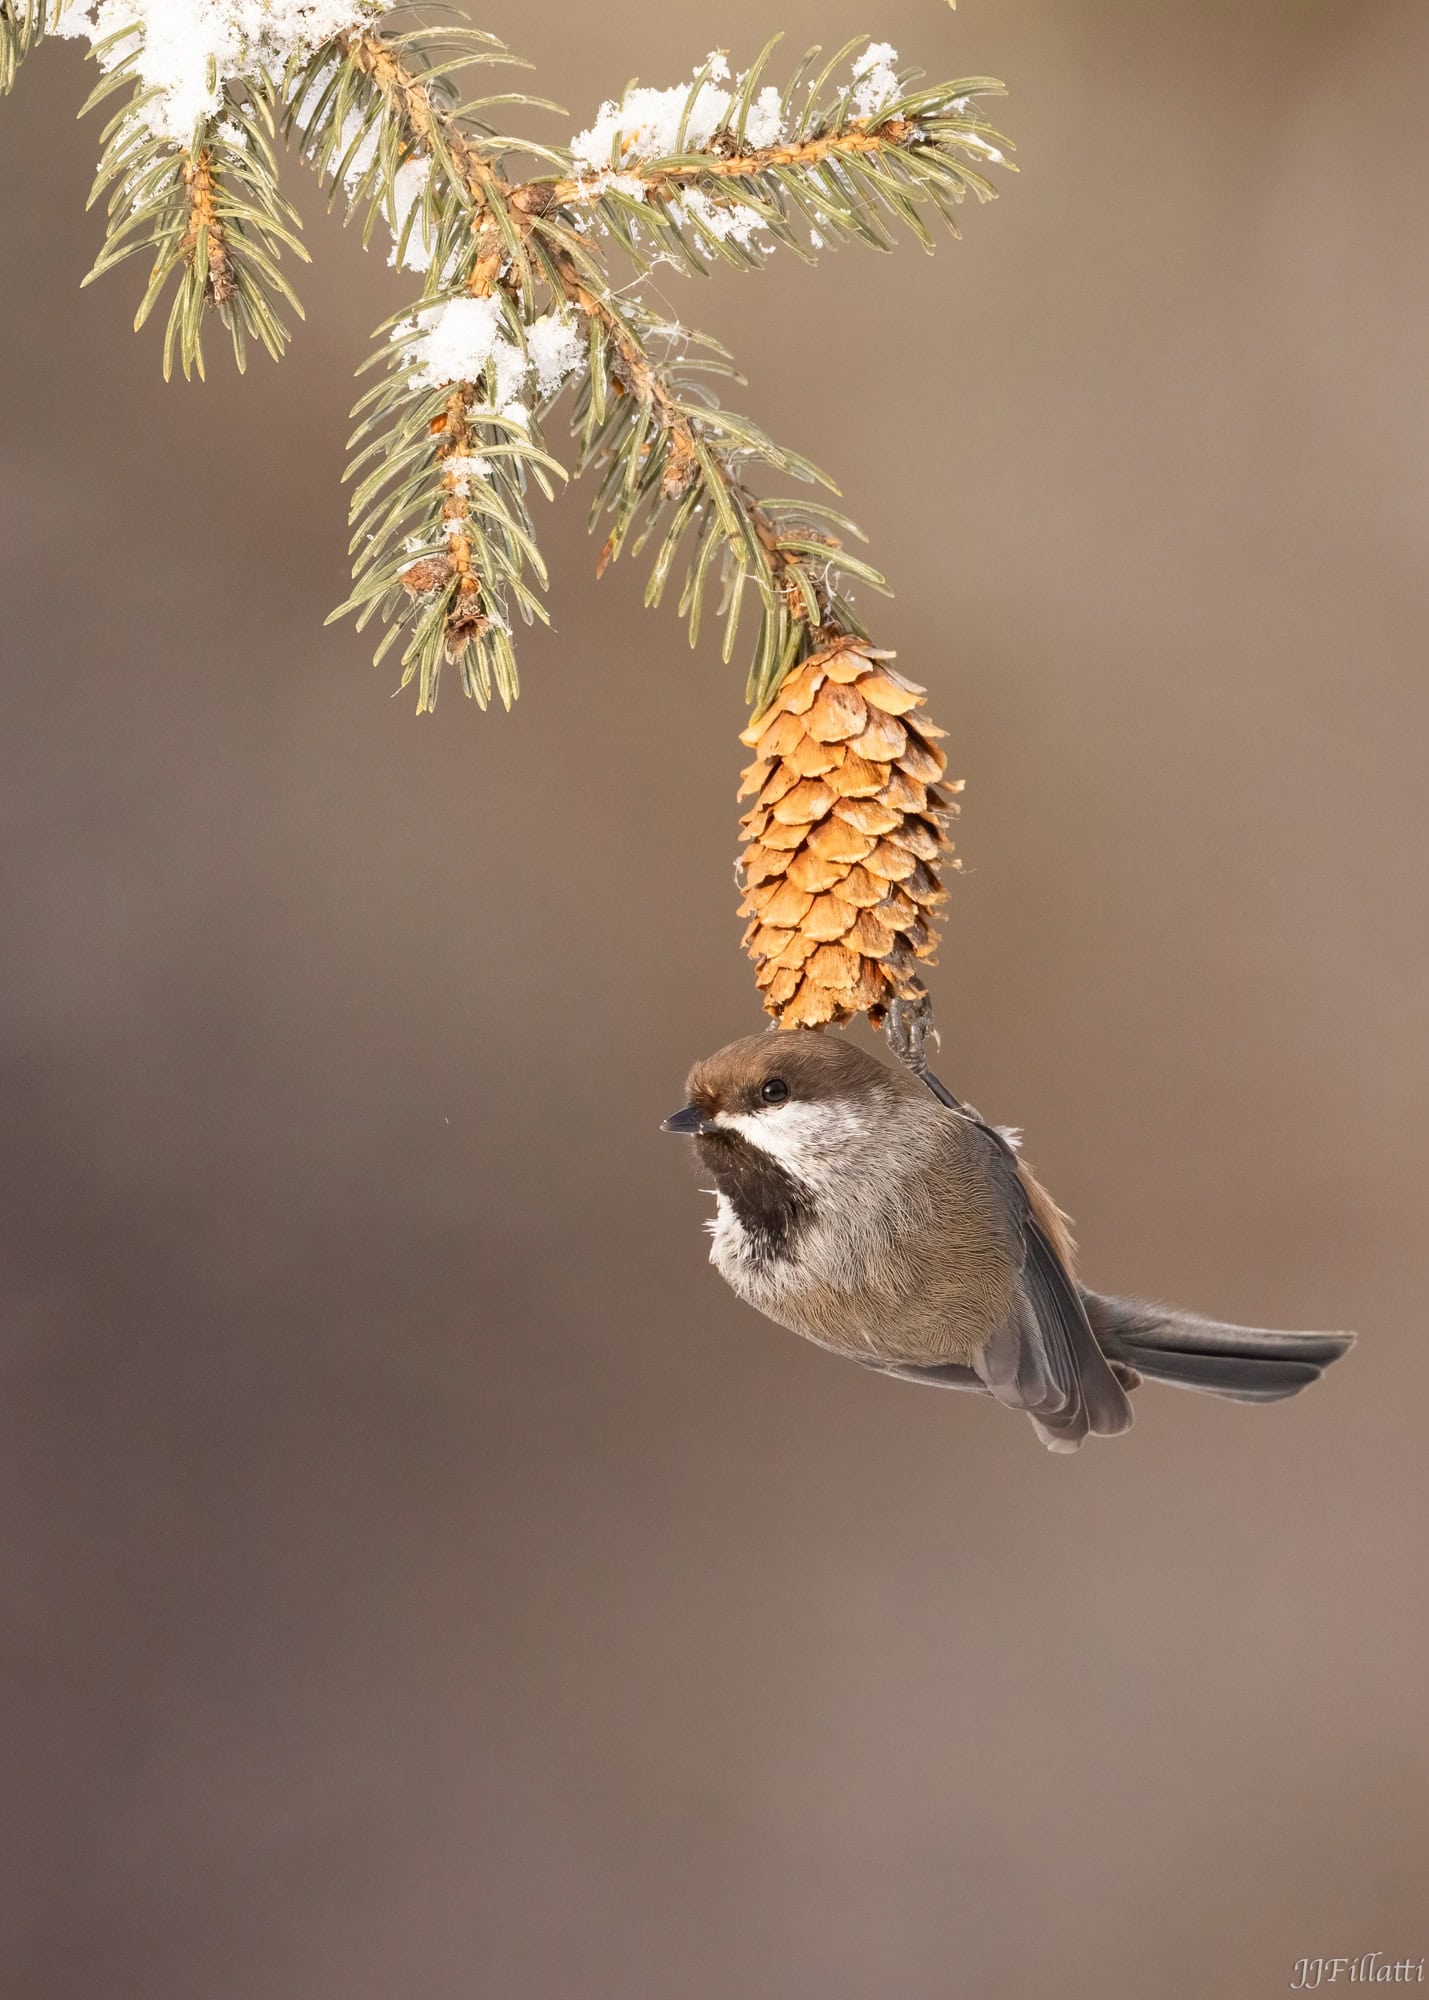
x,y
1248,1364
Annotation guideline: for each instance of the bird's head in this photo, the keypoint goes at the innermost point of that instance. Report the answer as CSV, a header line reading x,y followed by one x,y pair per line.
x,y
799,1096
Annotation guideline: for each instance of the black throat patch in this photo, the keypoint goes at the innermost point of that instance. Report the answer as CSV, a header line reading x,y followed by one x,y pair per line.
x,y
771,1206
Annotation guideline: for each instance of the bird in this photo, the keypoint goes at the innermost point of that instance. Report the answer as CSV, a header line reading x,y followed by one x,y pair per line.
x,y
886,1222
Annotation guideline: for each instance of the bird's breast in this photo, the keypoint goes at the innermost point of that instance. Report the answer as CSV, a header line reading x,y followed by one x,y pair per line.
x,y
853,1290
918,1271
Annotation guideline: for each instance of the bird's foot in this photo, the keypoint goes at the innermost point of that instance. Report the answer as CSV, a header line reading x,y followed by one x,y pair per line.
x,y
908,1025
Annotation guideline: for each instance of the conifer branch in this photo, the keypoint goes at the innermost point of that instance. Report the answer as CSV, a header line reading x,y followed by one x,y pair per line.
x,y
518,301
656,445
444,546
209,210
831,176
659,443
207,228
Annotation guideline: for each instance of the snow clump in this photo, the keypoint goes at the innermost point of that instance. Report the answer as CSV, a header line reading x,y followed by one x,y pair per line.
x,y
876,78
456,339
188,49
645,124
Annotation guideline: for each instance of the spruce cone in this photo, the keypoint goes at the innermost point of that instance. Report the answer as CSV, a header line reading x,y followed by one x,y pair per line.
x,y
847,823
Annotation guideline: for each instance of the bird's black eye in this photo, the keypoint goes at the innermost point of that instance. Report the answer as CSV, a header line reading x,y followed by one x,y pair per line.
x,y
775,1091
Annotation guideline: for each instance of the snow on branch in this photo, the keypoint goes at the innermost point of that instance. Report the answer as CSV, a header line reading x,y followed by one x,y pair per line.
x,y
704,170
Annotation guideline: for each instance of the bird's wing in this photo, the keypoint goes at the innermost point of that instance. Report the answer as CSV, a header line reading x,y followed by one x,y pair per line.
x,y
1044,1358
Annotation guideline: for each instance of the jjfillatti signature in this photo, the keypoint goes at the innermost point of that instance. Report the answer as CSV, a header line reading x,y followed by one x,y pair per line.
x,y
1371,1968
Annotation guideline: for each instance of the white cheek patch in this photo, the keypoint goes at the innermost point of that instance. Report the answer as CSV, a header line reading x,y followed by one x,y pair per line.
x,y
805,1138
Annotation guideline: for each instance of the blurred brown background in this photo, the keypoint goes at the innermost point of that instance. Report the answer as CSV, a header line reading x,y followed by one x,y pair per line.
x,y
420,1577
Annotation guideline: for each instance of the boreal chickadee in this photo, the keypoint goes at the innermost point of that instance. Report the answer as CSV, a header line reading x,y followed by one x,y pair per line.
x,y
857,1209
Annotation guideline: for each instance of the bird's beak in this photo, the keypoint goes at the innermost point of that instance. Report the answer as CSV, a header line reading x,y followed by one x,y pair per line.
x,y
690,1121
